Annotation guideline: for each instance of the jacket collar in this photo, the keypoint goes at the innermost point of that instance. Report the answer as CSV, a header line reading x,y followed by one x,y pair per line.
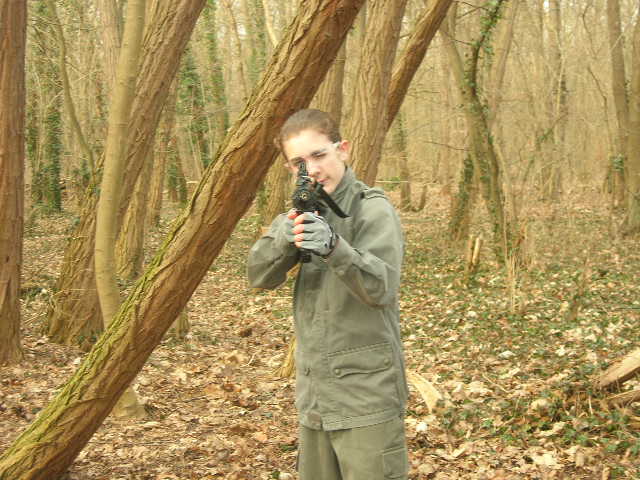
x,y
348,179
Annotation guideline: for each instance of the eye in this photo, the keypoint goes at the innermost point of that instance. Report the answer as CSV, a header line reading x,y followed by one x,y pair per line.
x,y
319,155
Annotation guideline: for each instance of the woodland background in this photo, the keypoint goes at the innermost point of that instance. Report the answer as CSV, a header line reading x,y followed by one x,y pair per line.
x,y
513,157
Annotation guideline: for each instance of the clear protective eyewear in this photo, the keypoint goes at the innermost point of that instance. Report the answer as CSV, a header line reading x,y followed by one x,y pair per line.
x,y
316,156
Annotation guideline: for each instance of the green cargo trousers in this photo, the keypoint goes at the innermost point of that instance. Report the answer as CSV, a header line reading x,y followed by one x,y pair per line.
x,y
376,452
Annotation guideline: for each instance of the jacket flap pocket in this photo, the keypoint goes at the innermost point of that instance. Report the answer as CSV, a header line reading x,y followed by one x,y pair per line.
x,y
367,359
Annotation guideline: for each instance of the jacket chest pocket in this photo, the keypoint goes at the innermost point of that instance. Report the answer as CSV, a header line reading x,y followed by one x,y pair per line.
x,y
364,379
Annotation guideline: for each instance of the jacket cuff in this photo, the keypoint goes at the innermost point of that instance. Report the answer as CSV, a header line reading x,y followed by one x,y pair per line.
x,y
341,258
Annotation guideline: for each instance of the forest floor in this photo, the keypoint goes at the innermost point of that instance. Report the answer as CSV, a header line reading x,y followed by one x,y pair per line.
x,y
514,351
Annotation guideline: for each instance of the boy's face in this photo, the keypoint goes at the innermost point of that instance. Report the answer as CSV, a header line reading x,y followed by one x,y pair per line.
x,y
325,160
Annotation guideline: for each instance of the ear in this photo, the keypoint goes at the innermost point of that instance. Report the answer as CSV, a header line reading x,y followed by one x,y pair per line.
x,y
345,148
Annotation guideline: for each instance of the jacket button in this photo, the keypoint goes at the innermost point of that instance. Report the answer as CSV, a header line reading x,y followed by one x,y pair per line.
x,y
337,371
307,370
387,362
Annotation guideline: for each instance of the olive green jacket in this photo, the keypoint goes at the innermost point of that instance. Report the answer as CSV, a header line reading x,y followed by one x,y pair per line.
x,y
350,365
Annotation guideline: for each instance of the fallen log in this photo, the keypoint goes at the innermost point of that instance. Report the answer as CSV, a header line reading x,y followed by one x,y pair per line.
x,y
624,398
621,371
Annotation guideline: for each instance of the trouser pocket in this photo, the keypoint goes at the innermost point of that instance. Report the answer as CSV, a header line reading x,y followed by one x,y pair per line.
x,y
395,463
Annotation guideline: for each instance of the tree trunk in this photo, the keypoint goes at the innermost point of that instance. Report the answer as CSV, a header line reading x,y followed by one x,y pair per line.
x,y
161,158
110,192
275,193
51,443
632,222
74,314
554,155
483,154
499,67
257,35
13,27
130,243
413,55
192,111
330,95
368,120
221,113
66,87
206,56
115,154
73,317
244,78
620,98
463,202
111,33
400,144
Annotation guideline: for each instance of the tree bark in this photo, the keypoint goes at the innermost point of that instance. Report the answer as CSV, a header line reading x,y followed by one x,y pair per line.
x,y
330,95
368,120
413,55
620,98
66,87
483,154
244,77
400,145
552,169
130,243
110,191
51,443
74,315
503,48
111,34
161,158
621,371
632,222
115,154
13,27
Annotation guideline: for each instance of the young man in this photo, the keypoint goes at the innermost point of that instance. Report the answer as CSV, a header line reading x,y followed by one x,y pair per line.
x,y
350,387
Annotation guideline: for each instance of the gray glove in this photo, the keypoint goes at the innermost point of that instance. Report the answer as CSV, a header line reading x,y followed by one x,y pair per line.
x,y
317,235
284,236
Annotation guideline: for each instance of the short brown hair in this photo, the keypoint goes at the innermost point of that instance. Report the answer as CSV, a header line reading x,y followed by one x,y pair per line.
x,y
308,119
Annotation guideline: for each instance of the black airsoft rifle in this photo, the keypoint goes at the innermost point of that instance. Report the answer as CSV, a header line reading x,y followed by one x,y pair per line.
x,y
309,198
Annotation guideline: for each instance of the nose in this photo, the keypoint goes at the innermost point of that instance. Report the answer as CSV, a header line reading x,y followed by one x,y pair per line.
x,y
312,168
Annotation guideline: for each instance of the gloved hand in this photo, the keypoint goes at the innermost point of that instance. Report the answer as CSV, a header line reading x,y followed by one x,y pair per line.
x,y
284,236
313,233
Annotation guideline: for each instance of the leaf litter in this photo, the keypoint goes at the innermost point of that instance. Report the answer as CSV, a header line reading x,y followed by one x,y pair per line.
x,y
514,390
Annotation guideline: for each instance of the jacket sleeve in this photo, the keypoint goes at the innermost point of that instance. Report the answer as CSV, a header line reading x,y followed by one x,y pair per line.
x,y
370,265
269,263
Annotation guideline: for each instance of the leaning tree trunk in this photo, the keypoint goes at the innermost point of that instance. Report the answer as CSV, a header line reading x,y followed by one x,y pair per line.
x,y
74,315
51,443
413,55
13,27
368,120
